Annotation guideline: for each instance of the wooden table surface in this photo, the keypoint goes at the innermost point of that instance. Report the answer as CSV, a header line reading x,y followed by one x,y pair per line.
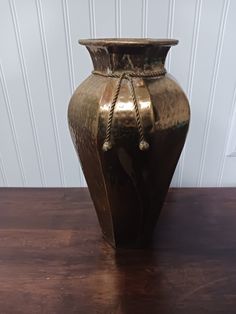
x,y
53,259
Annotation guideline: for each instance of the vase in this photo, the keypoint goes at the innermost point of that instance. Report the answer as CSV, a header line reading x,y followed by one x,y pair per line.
x,y
128,121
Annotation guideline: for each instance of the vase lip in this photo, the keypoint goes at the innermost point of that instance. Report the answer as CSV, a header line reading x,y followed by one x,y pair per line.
x,y
128,42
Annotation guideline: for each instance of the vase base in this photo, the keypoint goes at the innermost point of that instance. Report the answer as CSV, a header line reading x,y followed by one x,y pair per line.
x,y
141,244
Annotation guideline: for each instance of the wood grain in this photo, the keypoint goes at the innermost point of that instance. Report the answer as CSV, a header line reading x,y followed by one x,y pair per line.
x,y
53,259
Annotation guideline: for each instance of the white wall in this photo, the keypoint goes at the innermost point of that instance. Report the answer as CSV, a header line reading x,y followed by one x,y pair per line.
x,y
41,63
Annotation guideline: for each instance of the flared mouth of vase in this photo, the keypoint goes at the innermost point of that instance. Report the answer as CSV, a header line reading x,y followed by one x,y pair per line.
x,y
128,42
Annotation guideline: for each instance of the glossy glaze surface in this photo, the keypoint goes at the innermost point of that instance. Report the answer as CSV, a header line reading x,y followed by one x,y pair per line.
x,y
128,186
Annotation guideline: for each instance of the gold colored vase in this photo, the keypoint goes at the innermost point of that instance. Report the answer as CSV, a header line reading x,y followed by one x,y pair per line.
x,y
128,121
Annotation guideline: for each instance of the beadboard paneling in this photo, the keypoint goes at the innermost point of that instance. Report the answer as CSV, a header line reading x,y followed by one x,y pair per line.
x,y
41,64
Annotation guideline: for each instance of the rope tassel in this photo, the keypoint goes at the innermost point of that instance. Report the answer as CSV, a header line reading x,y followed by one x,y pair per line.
x,y
107,145
143,144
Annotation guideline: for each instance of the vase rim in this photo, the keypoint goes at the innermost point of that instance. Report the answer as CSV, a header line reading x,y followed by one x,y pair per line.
x,y
104,42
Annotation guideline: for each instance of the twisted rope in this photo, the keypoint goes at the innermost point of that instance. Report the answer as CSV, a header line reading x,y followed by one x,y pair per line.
x,y
143,144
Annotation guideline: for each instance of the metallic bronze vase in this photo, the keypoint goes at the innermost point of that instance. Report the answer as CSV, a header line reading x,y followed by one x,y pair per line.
x,y
128,121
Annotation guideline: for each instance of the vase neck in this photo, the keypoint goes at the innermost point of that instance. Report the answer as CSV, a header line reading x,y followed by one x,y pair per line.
x,y
119,56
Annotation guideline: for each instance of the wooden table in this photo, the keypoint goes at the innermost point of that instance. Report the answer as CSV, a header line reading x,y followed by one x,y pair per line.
x,y
53,259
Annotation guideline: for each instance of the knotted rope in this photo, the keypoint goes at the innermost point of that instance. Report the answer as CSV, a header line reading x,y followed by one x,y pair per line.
x,y
143,144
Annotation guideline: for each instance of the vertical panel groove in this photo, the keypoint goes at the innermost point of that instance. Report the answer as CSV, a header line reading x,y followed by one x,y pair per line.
x,y
3,173
170,27
27,91
70,60
118,18
92,19
12,125
68,45
169,34
192,64
213,89
144,18
50,91
227,139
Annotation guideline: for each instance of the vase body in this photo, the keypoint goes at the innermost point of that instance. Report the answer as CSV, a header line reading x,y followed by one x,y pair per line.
x,y
128,185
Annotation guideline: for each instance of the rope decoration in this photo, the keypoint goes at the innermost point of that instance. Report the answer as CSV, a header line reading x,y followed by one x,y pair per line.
x,y
143,144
